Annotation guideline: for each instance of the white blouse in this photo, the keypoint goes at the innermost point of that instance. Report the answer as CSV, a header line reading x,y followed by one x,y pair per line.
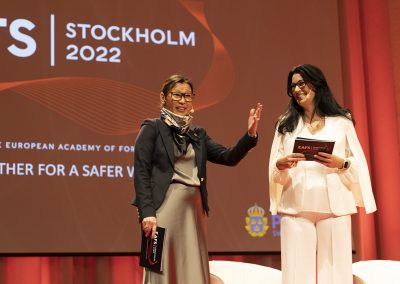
x,y
314,187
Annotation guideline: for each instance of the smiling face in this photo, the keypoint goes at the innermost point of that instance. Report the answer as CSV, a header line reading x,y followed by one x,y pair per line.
x,y
302,92
182,106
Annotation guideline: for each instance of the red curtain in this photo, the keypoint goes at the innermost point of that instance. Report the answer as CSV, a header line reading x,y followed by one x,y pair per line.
x,y
90,269
369,67
71,269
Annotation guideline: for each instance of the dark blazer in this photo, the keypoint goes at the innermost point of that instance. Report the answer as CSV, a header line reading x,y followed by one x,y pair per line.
x,y
154,162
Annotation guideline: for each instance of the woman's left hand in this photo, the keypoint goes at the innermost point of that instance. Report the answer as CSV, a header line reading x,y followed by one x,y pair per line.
x,y
254,117
149,226
329,160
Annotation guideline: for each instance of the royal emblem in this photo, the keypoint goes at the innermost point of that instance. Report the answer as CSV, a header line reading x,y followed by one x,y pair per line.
x,y
256,223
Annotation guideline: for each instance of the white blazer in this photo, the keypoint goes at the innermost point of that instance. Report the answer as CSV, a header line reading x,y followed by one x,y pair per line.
x,y
346,188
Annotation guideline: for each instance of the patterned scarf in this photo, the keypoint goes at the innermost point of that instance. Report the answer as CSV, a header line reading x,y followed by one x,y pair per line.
x,y
179,125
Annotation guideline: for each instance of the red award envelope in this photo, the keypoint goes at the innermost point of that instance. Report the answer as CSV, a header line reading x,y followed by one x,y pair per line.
x,y
311,147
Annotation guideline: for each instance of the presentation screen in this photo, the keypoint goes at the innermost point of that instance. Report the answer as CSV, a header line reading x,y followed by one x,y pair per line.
x,y
77,79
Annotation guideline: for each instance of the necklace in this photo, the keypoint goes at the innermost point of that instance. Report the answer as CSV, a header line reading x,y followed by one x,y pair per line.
x,y
315,125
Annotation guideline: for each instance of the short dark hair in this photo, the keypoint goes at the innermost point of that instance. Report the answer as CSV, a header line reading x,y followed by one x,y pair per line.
x,y
173,80
325,102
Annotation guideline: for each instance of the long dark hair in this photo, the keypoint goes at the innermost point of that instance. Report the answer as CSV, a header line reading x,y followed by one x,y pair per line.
x,y
324,101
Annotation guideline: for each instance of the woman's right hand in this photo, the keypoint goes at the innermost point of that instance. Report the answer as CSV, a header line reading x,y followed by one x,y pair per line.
x,y
149,225
289,161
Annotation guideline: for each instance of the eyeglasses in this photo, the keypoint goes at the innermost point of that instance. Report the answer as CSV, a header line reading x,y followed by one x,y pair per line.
x,y
301,84
179,96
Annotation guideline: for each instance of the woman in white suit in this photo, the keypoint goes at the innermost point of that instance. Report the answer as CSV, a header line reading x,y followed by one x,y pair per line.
x,y
316,198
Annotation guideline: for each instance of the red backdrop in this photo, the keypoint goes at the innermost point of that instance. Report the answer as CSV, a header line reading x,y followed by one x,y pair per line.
x,y
370,64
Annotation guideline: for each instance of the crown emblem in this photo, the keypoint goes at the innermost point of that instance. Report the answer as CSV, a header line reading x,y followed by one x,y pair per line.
x,y
256,223
256,211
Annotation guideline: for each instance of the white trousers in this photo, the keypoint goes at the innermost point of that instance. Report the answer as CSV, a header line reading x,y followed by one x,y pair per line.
x,y
316,246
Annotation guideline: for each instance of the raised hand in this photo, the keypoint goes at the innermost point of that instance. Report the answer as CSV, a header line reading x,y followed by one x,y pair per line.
x,y
254,117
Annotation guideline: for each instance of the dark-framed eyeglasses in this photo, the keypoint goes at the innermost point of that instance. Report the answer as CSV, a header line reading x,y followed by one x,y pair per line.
x,y
301,84
179,96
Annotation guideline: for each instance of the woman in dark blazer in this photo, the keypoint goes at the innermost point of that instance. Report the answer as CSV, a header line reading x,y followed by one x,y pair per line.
x,y
170,181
